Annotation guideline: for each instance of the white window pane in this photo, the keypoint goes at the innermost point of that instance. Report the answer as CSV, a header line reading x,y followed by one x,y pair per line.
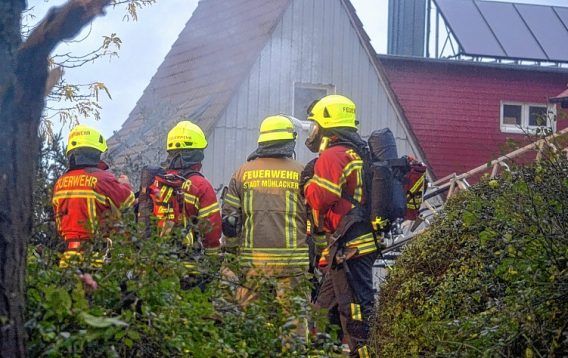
x,y
303,98
537,116
512,114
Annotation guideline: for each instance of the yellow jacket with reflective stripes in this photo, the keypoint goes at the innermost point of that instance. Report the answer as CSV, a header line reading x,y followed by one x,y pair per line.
x,y
264,195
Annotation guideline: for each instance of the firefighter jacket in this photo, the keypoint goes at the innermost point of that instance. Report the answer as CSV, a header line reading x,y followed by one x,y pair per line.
x,y
338,169
200,208
264,195
84,199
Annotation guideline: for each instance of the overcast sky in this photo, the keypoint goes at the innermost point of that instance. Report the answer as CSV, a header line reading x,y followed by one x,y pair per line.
x,y
146,43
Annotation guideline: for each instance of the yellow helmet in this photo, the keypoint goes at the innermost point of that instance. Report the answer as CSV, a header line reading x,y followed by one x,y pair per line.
x,y
186,135
83,136
333,111
276,128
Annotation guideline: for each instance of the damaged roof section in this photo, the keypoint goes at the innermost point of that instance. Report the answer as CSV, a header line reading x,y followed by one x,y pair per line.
x,y
212,54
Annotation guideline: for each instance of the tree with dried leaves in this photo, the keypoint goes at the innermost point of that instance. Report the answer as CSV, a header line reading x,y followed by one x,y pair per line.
x,y
23,80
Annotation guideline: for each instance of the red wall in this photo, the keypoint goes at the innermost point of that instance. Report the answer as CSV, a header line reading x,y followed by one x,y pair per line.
x,y
454,110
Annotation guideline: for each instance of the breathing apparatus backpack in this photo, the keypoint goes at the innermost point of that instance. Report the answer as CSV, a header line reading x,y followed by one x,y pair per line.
x,y
163,195
395,185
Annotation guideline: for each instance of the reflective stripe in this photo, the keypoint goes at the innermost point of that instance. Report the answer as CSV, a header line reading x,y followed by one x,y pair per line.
x,y
291,227
212,251
326,184
275,256
364,352
233,201
358,195
364,243
352,166
357,166
168,194
191,199
418,183
356,312
298,257
320,241
189,239
249,219
114,209
208,210
276,250
128,202
304,263
80,194
92,213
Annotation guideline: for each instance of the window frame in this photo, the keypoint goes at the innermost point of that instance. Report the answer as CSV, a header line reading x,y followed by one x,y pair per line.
x,y
525,117
329,88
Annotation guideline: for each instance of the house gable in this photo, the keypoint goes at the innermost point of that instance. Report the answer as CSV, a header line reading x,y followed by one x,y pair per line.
x,y
319,43
237,62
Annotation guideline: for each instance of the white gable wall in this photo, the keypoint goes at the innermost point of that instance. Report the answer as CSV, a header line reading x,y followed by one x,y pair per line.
x,y
314,43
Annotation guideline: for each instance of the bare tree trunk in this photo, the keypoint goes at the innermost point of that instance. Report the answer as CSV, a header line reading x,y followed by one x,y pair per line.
x,y
12,228
23,75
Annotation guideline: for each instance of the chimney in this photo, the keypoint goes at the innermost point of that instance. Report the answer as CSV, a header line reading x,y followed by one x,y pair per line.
x,y
407,28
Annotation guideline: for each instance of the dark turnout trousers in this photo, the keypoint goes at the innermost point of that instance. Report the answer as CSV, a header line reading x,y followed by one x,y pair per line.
x,y
349,288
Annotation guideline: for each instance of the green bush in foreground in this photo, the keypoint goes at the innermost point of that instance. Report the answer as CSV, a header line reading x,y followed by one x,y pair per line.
x,y
140,309
489,278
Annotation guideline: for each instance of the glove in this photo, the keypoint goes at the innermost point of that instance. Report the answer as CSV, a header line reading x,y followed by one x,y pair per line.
x,y
307,174
231,226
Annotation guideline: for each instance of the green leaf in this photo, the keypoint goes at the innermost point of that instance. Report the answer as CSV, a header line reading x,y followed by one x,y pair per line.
x,y
133,334
486,236
102,322
469,218
58,299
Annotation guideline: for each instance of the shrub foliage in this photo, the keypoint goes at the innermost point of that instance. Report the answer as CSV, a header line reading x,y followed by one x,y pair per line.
x,y
148,304
489,277
143,307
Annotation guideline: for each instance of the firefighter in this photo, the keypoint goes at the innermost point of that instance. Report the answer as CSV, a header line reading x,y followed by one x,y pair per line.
x,y
264,208
88,197
334,190
184,199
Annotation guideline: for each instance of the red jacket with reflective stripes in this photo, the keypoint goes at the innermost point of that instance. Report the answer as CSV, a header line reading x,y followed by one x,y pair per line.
x,y
200,201
337,169
84,198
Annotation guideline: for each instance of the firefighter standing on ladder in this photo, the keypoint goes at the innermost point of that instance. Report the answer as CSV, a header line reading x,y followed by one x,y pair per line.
x,y
87,197
334,189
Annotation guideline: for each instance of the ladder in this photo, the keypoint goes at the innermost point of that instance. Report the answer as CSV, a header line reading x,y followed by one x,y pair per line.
x,y
442,189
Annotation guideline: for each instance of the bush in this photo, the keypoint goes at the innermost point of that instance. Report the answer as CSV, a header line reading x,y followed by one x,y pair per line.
x,y
489,277
140,308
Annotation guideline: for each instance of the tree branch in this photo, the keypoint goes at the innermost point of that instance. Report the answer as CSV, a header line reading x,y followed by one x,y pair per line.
x,y
62,23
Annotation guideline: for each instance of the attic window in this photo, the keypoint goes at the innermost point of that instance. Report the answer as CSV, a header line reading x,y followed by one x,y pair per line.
x,y
525,117
306,93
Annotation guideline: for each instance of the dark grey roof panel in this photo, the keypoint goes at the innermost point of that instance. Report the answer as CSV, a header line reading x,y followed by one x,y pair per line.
x,y
469,27
547,28
563,14
507,30
510,30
